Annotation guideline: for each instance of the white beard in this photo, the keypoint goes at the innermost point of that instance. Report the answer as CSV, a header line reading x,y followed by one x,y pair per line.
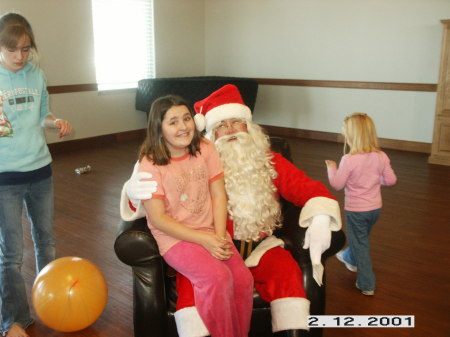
x,y
252,204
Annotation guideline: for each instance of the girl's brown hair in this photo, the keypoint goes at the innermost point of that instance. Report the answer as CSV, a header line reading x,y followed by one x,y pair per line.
x,y
360,134
154,146
13,27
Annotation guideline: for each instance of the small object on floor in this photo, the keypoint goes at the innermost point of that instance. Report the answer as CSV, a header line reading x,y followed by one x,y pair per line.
x,y
84,169
347,265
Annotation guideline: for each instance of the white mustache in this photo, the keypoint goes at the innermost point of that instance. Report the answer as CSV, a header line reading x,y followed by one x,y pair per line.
x,y
240,137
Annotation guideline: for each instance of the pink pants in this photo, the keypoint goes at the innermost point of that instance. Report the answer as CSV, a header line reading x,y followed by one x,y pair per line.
x,y
223,290
276,276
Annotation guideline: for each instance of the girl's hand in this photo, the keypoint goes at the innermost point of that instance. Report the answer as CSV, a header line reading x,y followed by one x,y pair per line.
x,y
64,127
217,247
331,163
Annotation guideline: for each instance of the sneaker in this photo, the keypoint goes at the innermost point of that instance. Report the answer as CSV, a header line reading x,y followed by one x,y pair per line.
x,y
347,265
366,292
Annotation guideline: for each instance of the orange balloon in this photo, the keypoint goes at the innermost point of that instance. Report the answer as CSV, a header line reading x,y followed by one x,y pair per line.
x,y
69,294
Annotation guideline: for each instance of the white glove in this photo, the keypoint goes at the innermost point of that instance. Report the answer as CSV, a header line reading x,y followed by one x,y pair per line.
x,y
318,240
137,189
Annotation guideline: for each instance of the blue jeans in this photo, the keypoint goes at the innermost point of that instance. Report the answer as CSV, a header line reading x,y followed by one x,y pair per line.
x,y
38,199
359,225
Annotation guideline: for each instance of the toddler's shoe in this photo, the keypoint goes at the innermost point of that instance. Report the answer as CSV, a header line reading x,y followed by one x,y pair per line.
x,y
366,292
349,266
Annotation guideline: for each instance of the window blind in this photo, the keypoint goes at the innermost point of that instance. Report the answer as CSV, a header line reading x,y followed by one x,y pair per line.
x,y
124,42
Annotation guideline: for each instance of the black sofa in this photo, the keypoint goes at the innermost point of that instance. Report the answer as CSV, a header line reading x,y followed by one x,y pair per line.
x,y
192,89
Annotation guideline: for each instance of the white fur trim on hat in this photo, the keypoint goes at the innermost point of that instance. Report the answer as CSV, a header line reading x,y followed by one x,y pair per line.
x,y
289,313
189,323
200,121
227,111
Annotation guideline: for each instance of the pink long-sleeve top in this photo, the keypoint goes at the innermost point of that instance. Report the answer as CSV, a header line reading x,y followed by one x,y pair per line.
x,y
362,175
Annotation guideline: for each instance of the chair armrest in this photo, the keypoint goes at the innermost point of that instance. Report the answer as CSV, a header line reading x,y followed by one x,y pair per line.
x,y
281,145
136,247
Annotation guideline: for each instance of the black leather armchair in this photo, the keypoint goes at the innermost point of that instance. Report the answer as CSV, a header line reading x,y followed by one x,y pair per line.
x,y
154,294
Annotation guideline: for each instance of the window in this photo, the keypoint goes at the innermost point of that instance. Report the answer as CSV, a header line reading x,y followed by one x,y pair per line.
x,y
123,38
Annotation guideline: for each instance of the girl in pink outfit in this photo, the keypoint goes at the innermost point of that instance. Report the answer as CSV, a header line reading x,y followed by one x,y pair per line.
x,y
187,216
361,172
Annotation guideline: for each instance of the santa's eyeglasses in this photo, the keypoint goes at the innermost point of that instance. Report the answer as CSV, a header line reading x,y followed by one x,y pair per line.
x,y
233,123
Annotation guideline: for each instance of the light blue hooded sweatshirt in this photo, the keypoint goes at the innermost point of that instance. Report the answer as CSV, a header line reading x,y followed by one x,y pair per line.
x,y
25,102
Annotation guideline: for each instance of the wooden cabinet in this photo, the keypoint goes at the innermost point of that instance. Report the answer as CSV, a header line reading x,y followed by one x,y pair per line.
x,y
440,149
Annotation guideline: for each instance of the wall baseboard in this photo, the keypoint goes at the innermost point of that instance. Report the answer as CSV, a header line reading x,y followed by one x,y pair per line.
x,y
272,130
393,144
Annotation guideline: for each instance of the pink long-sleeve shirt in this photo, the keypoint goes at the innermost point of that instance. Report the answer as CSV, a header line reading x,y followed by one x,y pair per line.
x,y
362,175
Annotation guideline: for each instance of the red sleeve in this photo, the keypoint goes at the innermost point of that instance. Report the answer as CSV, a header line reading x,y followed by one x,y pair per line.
x,y
294,185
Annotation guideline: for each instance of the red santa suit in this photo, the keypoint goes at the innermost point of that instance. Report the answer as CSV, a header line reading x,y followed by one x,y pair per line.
x,y
278,278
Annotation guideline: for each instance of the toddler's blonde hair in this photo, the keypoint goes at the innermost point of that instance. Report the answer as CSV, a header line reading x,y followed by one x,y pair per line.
x,y
360,134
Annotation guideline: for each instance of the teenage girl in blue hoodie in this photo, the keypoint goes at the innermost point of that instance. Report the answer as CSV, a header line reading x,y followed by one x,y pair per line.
x,y
25,171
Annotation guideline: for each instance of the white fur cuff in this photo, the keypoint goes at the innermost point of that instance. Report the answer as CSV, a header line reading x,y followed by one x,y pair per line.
x,y
289,313
189,323
321,205
268,243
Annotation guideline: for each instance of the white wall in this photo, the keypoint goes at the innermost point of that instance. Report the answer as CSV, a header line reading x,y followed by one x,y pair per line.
x,y
349,40
64,37
346,40
179,37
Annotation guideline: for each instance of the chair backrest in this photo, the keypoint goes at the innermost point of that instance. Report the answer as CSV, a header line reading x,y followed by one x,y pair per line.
x,y
281,145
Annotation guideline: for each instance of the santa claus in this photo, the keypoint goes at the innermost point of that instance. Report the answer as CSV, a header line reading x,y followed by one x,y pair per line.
x,y
255,178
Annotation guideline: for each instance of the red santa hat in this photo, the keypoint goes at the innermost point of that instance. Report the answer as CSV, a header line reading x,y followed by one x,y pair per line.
x,y
224,103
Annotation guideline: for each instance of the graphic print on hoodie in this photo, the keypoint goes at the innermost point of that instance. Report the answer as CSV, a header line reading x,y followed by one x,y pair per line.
x,y
25,103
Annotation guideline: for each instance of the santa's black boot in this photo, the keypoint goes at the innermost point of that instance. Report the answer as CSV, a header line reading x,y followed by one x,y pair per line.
x,y
291,333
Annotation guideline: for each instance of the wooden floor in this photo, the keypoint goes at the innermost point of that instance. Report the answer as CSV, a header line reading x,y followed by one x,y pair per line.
x,y
410,243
